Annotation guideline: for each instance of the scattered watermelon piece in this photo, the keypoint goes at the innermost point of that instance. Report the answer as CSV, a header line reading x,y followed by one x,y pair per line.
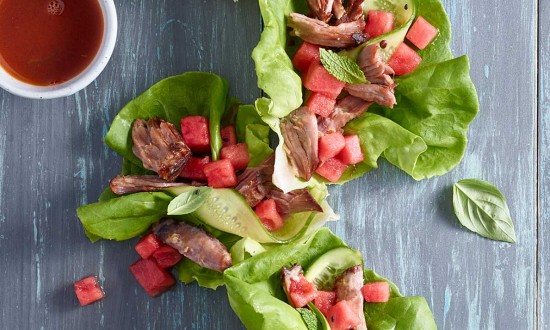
x,y
147,245
306,55
351,154
324,301
421,33
194,168
376,292
266,210
220,174
151,277
321,104
342,317
378,23
237,154
88,290
330,145
317,79
404,60
301,292
195,133
166,256
229,137
332,169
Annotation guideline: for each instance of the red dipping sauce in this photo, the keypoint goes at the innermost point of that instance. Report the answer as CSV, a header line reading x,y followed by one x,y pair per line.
x,y
48,42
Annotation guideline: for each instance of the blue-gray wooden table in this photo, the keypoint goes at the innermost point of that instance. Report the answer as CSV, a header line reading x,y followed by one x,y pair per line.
x,y
52,160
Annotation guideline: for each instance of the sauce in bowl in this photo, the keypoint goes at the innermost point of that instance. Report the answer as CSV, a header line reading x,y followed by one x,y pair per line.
x,y
48,42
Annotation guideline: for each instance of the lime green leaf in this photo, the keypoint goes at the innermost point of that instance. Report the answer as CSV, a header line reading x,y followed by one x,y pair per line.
x,y
342,68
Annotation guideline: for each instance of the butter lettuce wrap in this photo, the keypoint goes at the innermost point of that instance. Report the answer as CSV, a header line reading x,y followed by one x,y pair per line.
x,y
255,292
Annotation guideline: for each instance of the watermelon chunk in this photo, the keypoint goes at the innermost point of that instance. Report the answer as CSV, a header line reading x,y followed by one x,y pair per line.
x,y
378,23
330,145
342,317
321,104
229,137
166,256
351,154
266,210
195,133
332,169
301,291
220,174
147,245
317,79
88,290
404,60
376,292
421,33
194,168
324,301
306,55
151,277
237,154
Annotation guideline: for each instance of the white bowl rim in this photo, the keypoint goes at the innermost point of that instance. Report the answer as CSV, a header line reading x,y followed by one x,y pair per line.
x,y
83,79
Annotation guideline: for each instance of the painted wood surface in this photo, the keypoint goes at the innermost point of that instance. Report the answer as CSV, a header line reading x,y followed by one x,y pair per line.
x,y
53,160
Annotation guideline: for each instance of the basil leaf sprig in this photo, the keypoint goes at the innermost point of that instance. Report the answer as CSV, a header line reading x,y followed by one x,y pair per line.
x,y
481,207
188,201
342,68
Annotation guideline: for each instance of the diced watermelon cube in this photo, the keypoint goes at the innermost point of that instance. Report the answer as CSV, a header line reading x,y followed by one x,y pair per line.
x,y
351,153
321,104
194,168
266,210
378,23
147,245
332,169
404,60
88,290
421,33
166,256
317,79
151,277
237,154
342,317
330,145
376,292
229,137
220,174
306,55
324,301
195,133
301,292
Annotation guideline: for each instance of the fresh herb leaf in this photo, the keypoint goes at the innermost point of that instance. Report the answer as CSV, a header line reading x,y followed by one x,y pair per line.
x,y
342,68
188,201
481,207
309,318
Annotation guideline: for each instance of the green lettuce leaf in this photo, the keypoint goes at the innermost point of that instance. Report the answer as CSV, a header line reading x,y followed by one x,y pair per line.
x,y
252,130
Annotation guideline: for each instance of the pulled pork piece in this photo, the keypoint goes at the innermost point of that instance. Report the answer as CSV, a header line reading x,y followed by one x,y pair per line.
x,y
348,287
255,182
321,8
299,200
194,243
160,147
380,94
320,33
301,136
137,183
346,109
375,69
353,12
338,9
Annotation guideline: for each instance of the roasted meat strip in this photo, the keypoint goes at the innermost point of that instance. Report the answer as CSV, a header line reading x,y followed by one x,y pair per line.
x,y
301,136
137,183
255,182
346,109
375,69
159,145
299,200
320,33
348,287
194,243
353,12
321,8
380,94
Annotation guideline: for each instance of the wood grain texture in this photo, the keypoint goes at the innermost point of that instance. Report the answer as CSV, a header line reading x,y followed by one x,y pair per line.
x,y
53,160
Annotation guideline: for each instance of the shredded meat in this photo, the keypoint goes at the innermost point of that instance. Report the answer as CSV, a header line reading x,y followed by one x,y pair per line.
x,y
136,183
321,8
255,182
320,33
380,94
300,132
346,109
353,12
348,287
338,9
299,200
375,69
194,243
160,147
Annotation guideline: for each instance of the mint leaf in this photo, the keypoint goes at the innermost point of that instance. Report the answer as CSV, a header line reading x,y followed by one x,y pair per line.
x,y
342,68
188,201
310,319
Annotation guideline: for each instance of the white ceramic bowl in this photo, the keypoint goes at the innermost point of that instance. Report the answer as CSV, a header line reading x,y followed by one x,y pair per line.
x,y
110,26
